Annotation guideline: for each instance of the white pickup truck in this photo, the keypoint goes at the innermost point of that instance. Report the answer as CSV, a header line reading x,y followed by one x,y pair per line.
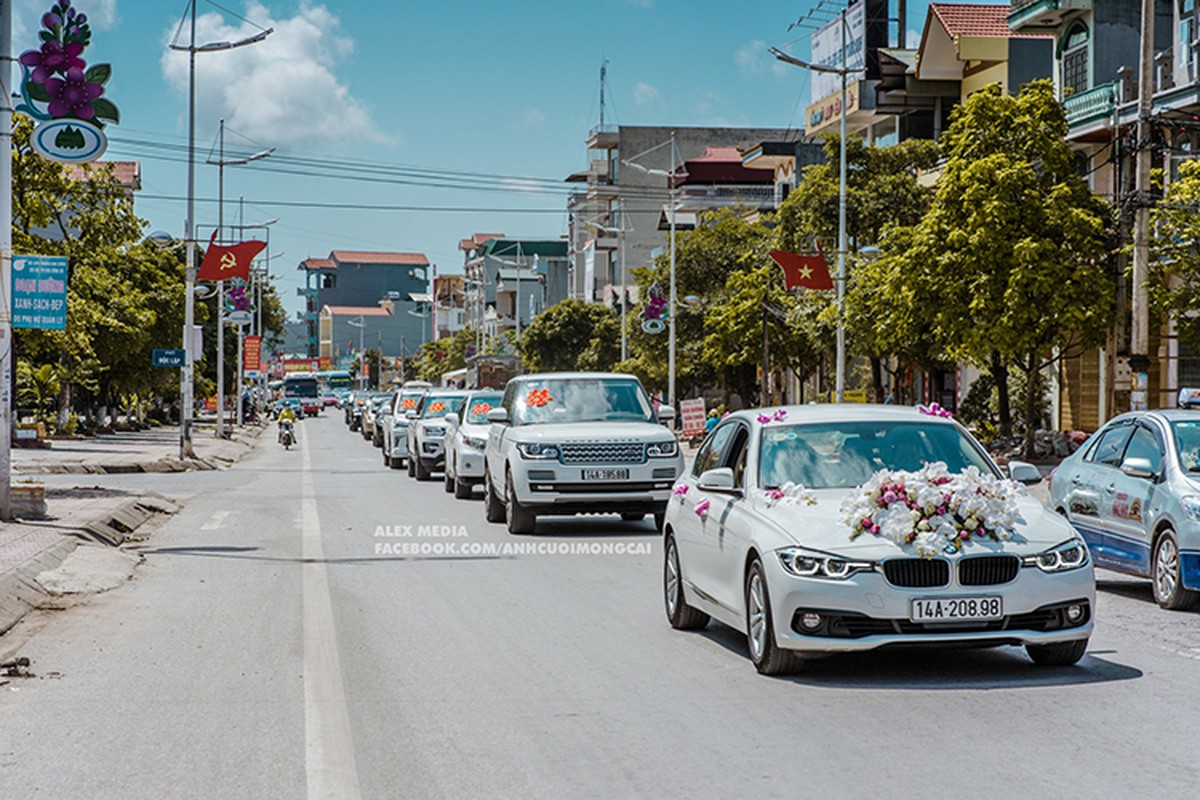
x,y
578,443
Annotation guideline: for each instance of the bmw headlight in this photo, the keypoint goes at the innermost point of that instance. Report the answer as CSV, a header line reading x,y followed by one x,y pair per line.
x,y
665,449
813,564
475,442
538,451
1060,558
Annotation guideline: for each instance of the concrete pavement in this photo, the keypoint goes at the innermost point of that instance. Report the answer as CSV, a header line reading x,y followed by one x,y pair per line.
x,y
80,513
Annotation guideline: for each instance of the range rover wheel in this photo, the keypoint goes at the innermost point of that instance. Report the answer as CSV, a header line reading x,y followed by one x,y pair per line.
x,y
520,519
1166,575
681,616
462,489
493,509
423,473
768,658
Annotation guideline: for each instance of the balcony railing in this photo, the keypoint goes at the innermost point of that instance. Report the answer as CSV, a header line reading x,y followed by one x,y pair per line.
x,y
1096,102
701,197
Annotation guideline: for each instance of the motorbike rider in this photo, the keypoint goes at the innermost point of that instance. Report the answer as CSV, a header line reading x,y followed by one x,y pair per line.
x,y
287,417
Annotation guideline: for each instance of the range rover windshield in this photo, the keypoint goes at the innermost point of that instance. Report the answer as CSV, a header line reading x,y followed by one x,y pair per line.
x,y
581,400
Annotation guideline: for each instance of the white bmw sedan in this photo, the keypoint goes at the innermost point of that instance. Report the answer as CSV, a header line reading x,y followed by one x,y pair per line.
x,y
824,529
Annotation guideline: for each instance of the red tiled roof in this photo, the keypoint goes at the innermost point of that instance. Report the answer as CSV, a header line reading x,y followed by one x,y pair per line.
x,y
354,311
317,263
368,257
478,239
966,19
722,154
127,173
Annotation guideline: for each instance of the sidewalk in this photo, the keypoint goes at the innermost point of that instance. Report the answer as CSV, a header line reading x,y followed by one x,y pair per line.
x,y
86,515
154,450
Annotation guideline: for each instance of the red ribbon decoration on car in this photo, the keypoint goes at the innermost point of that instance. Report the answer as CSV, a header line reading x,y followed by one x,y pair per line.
x,y
538,397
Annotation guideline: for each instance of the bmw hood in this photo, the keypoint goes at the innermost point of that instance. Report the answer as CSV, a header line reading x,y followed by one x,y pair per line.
x,y
820,527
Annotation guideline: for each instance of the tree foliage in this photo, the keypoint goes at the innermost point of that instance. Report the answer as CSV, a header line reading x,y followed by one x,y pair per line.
x,y
1009,263
571,335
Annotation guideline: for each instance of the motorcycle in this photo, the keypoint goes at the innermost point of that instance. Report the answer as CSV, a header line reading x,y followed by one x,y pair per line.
x,y
286,436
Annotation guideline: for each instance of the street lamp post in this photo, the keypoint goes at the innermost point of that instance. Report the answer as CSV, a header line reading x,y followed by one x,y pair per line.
x,y
671,176
186,385
843,72
361,324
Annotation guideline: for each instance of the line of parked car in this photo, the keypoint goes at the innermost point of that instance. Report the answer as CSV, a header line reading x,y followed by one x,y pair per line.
x,y
757,532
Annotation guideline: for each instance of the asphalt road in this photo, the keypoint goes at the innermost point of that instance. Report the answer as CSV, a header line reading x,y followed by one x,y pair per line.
x,y
281,642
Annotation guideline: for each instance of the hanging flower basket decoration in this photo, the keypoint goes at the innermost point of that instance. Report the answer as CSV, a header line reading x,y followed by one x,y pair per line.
x,y
57,82
538,398
656,310
932,509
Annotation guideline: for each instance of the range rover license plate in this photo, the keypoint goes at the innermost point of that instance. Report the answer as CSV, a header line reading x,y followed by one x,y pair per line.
x,y
606,474
957,609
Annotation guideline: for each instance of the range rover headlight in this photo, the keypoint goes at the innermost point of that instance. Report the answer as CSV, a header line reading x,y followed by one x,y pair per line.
x,y
475,442
667,449
1065,557
813,564
538,451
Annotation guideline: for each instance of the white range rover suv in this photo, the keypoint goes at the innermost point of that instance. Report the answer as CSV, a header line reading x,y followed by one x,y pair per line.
x,y
578,443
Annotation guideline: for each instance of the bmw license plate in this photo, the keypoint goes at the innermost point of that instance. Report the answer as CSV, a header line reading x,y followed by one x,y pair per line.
x,y
957,609
606,474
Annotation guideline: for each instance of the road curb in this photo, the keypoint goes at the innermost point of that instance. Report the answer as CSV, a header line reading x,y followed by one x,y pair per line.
x,y
20,591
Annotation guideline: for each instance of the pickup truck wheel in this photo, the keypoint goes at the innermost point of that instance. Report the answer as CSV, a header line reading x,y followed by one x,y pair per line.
x,y
493,509
520,519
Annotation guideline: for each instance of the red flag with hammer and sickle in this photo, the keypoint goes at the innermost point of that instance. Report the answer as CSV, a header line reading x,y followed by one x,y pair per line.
x,y
222,262
804,272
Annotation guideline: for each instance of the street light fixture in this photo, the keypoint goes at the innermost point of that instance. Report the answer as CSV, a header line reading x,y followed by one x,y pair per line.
x,y
186,384
620,233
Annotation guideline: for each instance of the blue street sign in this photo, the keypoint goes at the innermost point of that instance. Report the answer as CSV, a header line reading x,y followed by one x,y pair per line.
x,y
39,292
169,358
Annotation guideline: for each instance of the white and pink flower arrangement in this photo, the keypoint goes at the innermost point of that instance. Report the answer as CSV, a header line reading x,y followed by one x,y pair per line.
x,y
790,494
932,509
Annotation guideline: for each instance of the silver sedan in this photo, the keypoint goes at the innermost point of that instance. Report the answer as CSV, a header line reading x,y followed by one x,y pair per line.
x,y
1133,493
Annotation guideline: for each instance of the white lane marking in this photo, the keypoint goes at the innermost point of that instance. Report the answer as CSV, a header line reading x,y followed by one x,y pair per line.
x,y
329,763
214,521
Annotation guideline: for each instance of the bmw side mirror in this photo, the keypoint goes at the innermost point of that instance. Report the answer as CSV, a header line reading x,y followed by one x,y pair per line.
x,y
718,480
1024,472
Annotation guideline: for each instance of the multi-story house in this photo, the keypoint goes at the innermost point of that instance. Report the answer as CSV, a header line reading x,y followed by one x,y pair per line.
x,y
510,281
360,279
620,205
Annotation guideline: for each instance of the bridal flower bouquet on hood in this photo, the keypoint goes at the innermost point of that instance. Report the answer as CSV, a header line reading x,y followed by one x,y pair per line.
x,y
932,509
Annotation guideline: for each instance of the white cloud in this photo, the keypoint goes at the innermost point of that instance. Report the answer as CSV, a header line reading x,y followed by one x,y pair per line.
x,y
280,91
645,94
754,59
533,117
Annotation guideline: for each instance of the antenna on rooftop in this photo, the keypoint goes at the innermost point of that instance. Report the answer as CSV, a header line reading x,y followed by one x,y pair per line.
x,y
603,79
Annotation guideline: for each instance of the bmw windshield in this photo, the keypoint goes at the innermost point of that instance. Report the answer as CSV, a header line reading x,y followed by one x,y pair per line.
x,y
845,454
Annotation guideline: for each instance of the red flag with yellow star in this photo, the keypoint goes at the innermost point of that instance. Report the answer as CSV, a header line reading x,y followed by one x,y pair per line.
x,y
222,262
803,272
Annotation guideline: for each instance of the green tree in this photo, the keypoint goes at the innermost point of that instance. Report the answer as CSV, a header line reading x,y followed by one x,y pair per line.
x,y
444,355
37,388
1174,286
564,337
882,194
1009,263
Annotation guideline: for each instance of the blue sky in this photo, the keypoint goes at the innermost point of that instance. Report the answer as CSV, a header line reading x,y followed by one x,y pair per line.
x,y
506,89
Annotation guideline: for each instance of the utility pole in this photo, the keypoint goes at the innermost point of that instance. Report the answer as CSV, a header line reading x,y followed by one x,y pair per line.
x,y
1139,346
187,381
7,351
221,289
840,378
672,307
